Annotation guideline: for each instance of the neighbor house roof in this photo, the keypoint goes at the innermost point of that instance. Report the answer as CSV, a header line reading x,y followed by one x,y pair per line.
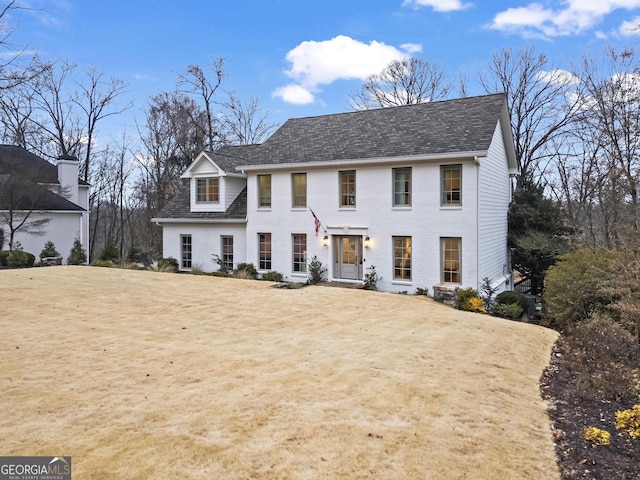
x,y
34,173
17,159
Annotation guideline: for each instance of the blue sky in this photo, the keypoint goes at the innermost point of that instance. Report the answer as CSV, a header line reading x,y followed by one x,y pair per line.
x,y
304,57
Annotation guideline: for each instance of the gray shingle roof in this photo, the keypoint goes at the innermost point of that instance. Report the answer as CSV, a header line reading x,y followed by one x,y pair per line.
x,y
33,171
180,206
460,125
229,157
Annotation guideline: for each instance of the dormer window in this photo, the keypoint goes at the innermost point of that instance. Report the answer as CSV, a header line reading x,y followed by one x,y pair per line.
x,y
207,190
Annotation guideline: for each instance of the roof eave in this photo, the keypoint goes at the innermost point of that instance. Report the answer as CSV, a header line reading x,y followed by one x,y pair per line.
x,y
184,220
365,161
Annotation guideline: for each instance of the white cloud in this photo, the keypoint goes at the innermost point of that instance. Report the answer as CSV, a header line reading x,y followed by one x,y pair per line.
x,y
573,16
439,5
294,94
630,28
558,77
321,63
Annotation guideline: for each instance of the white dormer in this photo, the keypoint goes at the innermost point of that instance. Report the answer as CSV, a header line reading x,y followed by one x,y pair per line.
x,y
212,189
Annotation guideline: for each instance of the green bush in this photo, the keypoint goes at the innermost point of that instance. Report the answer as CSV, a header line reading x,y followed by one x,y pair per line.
x,y
219,273
422,291
77,255
508,310
465,299
316,271
20,258
102,263
4,254
576,286
245,270
168,264
272,276
371,279
49,250
510,297
110,252
141,255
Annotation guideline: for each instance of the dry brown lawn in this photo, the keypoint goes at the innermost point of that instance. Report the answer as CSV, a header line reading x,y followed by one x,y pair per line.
x,y
142,375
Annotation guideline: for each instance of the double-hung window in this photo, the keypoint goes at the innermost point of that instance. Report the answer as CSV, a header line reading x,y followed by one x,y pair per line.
x,y
451,259
402,258
451,184
185,251
226,242
264,251
348,188
299,252
299,190
207,190
402,187
264,190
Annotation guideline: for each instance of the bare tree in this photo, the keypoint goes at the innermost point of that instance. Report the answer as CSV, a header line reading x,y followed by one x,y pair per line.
x,y
17,64
194,81
244,122
542,101
174,133
402,82
21,203
72,108
603,176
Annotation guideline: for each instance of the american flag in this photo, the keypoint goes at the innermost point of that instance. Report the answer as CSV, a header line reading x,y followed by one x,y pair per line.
x,y
317,221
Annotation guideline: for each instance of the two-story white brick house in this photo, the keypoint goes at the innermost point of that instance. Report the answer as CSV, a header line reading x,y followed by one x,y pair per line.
x,y
421,192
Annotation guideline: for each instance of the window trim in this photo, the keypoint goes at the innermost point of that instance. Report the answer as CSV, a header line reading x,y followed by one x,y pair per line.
x,y
347,199
406,258
298,258
207,187
225,264
296,196
186,256
406,193
261,194
263,262
445,191
444,273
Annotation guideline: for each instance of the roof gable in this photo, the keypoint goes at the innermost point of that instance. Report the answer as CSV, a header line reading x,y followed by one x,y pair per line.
x,y
221,162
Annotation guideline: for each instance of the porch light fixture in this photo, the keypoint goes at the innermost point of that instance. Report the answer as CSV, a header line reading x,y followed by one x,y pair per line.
x,y
325,241
367,242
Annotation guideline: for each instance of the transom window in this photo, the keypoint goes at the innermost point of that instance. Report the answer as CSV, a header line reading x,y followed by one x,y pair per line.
x,y
264,251
264,190
402,186
451,260
451,184
207,190
299,190
402,258
348,188
185,251
300,252
226,242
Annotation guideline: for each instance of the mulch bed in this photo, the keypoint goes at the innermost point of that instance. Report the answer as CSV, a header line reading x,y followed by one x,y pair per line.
x,y
571,414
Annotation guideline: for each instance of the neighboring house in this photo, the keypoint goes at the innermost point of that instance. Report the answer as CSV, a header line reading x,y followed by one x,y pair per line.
x,y
421,192
31,186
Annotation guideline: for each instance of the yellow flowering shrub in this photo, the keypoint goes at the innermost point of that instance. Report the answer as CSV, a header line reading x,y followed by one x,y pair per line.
x,y
629,421
477,305
597,436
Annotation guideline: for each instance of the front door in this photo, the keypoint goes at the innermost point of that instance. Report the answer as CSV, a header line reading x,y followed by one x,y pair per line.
x,y
348,257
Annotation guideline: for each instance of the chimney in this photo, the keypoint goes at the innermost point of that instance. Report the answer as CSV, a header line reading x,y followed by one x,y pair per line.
x,y
68,177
